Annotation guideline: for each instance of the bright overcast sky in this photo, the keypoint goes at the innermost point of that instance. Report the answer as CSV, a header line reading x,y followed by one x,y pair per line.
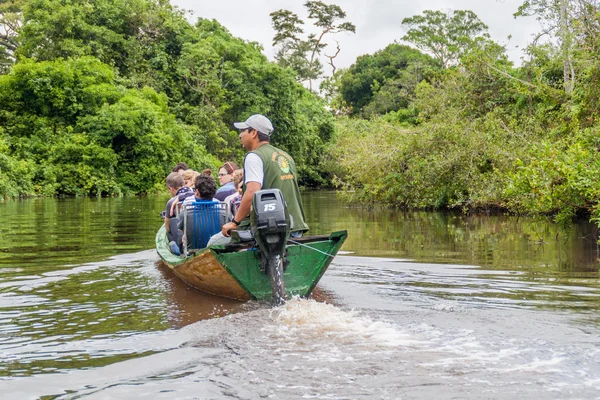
x,y
378,22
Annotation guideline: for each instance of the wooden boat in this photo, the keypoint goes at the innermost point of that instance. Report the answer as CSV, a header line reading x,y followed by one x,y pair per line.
x,y
235,271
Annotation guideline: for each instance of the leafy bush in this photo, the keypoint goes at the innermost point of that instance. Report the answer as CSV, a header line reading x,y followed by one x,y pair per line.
x,y
145,140
385,81
449,163
560,178
15,174
84,134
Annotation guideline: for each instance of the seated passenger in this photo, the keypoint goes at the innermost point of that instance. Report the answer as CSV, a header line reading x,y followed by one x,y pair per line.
x,y
180,167
233,200
189,178
226,181
233,203
176,188
202,216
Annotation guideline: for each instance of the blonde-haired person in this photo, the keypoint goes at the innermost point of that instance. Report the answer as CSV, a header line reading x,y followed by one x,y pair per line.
x,y
189,179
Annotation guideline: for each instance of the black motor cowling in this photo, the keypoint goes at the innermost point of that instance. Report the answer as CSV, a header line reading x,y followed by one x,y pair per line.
x,y
270,222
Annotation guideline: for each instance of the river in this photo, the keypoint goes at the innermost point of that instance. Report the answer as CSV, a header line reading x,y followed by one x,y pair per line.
x,y
418,305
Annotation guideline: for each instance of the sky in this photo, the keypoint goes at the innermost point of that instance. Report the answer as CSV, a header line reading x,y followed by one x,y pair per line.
x,y
378,22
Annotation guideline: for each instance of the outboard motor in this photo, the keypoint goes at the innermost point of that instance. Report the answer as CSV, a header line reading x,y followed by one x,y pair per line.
x,y
270,224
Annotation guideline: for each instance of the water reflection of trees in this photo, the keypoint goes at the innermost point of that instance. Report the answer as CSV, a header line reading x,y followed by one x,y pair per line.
x,y
75,230
61,230
492,241
186,305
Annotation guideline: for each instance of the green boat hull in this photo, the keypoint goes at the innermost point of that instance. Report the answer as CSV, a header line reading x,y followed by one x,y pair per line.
x,y
234,271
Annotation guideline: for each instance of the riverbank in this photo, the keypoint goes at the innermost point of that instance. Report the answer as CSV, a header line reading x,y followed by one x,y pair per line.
x,y
478,164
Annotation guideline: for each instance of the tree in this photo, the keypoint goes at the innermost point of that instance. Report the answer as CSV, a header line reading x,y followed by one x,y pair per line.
x,y
10,24
555,16
447,36
226,79
384,81
82,133
575,23
301,55
141,38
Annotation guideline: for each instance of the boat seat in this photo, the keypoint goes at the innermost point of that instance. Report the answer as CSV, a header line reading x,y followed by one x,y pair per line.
x,y
201,220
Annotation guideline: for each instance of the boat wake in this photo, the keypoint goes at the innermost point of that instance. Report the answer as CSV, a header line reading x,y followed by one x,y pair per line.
x,y
311,320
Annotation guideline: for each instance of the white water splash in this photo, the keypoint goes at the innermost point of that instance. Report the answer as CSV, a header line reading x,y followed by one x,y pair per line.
x,y
304,318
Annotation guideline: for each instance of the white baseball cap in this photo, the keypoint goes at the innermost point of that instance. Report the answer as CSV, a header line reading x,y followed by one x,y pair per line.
x,y
258,122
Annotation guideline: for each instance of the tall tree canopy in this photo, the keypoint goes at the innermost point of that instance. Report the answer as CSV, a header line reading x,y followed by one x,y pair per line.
x,y
10,24
447,36
573,25
384,81
302,54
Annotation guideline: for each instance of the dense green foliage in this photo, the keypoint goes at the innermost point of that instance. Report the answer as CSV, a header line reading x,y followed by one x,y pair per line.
x,y
485,134
104,97
384,81
107,96
81,133
446,35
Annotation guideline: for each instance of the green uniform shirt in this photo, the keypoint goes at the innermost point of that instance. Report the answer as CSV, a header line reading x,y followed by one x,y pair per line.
x,y
280,173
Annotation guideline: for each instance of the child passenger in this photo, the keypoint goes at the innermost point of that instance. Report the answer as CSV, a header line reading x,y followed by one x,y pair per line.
x,y
177,190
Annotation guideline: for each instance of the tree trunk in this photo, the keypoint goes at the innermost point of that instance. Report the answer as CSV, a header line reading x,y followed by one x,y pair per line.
x,y
566,43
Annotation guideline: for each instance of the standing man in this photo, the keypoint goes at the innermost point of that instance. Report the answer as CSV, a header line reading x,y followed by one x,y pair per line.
x,y
266,167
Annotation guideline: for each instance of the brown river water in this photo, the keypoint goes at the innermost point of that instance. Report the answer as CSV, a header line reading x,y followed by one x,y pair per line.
x,y
419,305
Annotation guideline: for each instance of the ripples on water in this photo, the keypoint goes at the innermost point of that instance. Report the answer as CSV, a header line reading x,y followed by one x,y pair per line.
x,y
387,336
94,317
